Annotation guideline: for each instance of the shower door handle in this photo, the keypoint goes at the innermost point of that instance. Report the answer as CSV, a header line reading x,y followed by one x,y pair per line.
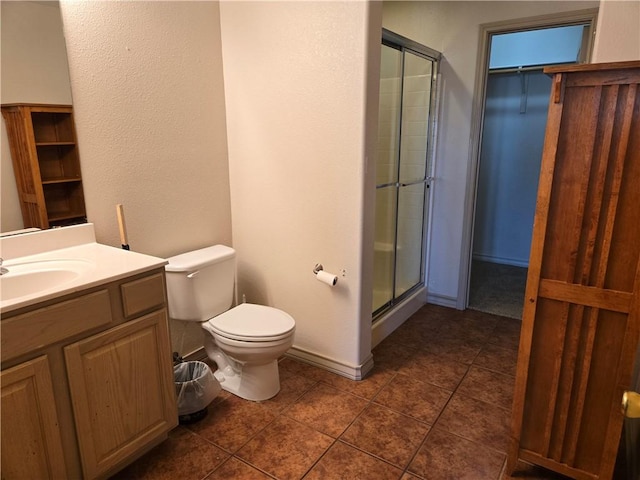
x,y
417,182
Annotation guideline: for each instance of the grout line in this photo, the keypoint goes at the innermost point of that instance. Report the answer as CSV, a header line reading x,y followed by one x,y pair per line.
x,y
320,457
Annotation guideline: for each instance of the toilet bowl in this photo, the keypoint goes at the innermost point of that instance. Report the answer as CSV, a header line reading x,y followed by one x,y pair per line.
x,y
245,341
247,358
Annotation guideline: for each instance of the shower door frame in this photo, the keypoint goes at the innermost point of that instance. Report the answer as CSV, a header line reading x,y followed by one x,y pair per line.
x,y
398,42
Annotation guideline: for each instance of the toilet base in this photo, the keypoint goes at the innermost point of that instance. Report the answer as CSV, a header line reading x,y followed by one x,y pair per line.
x,y
253,382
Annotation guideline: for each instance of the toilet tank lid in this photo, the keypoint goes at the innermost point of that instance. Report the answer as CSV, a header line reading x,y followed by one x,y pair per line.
x,y
196,259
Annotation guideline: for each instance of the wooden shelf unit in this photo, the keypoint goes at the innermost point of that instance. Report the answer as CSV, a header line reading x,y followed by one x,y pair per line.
x,y
46,164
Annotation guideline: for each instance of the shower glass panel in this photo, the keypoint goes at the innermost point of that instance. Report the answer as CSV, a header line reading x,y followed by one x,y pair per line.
x,y
389,116
416,108
405,129
387,174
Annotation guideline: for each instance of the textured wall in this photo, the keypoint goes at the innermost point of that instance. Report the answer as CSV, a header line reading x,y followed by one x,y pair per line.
x,y
149,104
295,82
618,33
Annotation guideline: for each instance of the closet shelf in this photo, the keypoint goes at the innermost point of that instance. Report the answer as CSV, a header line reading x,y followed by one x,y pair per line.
x,y
53,181
55,144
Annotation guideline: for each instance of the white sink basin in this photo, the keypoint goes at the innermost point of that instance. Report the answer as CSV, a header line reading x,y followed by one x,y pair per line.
x,y
48,264
32,278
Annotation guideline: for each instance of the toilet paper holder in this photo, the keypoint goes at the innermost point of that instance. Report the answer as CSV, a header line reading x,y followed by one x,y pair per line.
x,y
324,277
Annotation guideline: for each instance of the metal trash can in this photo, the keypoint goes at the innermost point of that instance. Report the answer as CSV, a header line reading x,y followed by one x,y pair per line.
x,y
196,387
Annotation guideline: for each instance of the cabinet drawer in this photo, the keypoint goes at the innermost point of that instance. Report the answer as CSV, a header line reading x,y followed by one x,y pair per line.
x,y
142,295
48,325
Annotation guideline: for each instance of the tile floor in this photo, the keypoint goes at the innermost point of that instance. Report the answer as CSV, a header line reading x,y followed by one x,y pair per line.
x,y
436,406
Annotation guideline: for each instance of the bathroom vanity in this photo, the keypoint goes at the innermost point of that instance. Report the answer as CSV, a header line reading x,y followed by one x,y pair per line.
x,y
87,378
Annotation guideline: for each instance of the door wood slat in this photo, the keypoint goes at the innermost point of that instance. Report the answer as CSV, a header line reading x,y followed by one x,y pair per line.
x,y
587,216
589,296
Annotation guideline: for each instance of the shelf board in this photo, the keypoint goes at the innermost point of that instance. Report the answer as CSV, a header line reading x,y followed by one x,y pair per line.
x,y
55,144
57,216
54,181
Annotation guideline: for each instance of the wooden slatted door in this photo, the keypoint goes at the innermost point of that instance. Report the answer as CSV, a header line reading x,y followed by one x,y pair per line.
x,y
581,316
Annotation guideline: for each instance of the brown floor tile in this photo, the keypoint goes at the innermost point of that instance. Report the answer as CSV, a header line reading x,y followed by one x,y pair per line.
x,y
445,456
326,409
292,387
435,314
365,388
414,334
491,387
417,399
237,470
390,356
285,449
498,359
346,463
477,421
476,328
183,455
409,476
431,368
386,434
233,421
506,333
287,366
451,349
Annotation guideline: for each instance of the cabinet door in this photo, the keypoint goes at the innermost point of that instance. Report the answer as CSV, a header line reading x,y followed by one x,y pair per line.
x,y
122,391
31,446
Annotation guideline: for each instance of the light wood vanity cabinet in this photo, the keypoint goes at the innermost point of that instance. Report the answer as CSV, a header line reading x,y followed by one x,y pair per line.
x,y
31,446
87,381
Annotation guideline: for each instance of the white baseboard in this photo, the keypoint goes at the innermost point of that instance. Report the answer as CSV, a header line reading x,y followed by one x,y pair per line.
x,y
353,372
357,372
386,325
515,262
443,300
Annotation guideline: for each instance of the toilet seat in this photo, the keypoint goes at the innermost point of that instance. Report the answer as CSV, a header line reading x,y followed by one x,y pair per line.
x,y
252,323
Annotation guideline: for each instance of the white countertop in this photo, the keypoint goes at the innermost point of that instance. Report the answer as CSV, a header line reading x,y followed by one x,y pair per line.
x,y
104,263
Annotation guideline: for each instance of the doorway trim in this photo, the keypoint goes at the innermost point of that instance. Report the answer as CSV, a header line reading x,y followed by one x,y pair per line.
x,y
477,120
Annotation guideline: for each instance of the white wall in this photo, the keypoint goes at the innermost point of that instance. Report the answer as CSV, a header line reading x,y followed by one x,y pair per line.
x,y
149,107
453,29
618,31
296,76
34,70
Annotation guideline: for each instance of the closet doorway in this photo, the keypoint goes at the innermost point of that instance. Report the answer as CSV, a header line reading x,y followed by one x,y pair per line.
x,y
406,124
514,114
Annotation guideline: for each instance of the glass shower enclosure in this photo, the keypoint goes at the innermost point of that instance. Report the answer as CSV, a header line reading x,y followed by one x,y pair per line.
x,y
406,128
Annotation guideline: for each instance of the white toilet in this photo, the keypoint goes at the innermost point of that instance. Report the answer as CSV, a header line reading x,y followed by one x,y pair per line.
x,y
245,341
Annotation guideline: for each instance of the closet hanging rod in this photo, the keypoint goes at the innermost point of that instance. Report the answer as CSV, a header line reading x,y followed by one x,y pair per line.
x,y
517,69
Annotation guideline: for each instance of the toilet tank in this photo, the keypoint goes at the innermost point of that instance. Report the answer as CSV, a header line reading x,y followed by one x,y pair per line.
x,y
200,283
